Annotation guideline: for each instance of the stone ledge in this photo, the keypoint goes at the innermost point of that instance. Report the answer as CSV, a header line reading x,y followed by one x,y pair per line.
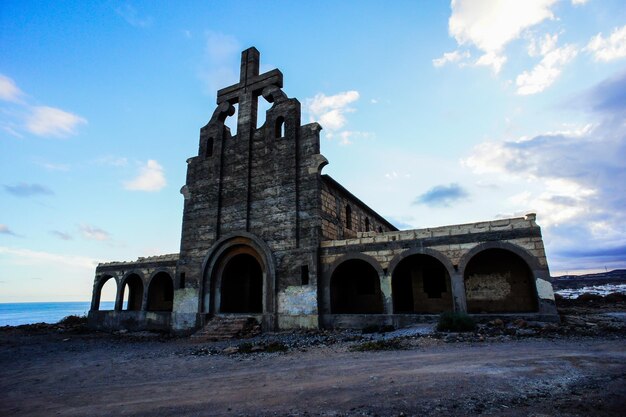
x,y
143,260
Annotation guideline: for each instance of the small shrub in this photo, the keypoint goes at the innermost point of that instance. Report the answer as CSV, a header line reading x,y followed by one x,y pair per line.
x,y
455,322
245,347
276,347
374,345
378,329
587,297
370,329
73,320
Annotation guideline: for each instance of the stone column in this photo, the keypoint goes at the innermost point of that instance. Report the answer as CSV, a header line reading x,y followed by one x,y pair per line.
x,y
385,289
458,293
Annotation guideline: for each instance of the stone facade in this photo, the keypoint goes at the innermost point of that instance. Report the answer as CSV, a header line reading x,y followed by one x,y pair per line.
x,y
266,235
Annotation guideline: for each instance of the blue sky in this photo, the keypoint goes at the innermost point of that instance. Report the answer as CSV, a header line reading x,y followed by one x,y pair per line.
x,y
434,113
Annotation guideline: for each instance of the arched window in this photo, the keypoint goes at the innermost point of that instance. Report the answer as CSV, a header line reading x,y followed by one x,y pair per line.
x,y
279,127
348,216
367,224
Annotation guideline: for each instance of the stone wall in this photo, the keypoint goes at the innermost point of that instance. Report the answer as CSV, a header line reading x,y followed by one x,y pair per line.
x,y
259,189
335,200
135,280
454,247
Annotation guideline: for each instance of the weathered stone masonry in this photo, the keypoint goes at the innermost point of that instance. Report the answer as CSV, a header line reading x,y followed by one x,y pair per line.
x,y
266,235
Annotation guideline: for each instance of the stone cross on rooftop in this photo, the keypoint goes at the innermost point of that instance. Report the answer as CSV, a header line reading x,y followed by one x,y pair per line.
x,y
249,88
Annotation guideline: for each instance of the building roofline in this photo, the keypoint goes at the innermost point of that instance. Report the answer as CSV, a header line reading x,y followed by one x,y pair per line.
x,y
333,183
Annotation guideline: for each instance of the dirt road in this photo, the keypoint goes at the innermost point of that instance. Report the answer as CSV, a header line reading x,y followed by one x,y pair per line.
x,y
84,376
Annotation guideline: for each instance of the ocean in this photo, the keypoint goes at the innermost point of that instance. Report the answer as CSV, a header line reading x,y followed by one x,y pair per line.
x,y
14,314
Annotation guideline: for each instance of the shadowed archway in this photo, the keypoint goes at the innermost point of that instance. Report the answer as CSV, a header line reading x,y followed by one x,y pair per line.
x,y
499,281
355,289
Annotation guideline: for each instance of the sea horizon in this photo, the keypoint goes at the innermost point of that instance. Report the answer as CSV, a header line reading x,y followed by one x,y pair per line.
x,y
24,312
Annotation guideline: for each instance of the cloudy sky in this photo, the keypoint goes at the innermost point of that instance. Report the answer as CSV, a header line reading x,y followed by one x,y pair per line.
x,y
434,113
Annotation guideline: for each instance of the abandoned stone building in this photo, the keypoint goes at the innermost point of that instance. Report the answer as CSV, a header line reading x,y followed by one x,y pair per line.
x,y
266,235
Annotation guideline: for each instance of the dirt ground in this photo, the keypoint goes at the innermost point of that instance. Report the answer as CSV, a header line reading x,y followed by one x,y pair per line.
x,y
47,373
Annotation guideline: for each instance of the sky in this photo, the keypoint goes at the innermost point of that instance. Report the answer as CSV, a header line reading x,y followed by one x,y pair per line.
x,y
433,113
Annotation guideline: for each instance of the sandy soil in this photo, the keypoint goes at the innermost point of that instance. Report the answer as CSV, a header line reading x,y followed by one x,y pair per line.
x,y
95,374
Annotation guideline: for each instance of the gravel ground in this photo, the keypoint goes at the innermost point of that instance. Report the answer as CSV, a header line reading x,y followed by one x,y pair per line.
x,y
504,369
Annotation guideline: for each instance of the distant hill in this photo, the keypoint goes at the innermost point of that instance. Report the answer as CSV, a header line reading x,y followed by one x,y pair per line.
x,y
617,276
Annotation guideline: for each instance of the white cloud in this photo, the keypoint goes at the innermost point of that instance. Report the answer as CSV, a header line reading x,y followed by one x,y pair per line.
x,y
50,121
574,179
222,54
94,233
4,230
30,257
493,60
608,49
54,167
330,111
490,25
346,135
61,235
579,2
549,68
9,91
451,57
116,161
130,14
151,178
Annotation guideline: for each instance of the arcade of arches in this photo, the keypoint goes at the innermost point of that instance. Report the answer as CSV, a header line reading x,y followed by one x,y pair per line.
x,y
495,281
130,295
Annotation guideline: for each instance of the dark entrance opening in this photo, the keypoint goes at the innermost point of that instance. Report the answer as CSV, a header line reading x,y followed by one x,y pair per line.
x,y
135,292
108,287
355,289
242,285
161,293
499,281
421,284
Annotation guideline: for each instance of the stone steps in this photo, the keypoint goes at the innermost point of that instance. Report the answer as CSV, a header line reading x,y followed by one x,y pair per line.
x,y
227,327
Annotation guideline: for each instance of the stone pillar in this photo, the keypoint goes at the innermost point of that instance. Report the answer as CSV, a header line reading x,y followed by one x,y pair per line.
x,y
385,289
458,293
119,297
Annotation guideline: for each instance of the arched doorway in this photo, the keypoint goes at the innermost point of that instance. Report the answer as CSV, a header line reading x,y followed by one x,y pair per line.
x,y
107,289
134,295
355,289
241,289
161,292
499,281
421,284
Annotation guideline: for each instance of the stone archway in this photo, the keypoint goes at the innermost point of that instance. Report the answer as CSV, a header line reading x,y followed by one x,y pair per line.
x,y
109,281
241,289
355,289
421,284
217,266
160,292
134,284
498,280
